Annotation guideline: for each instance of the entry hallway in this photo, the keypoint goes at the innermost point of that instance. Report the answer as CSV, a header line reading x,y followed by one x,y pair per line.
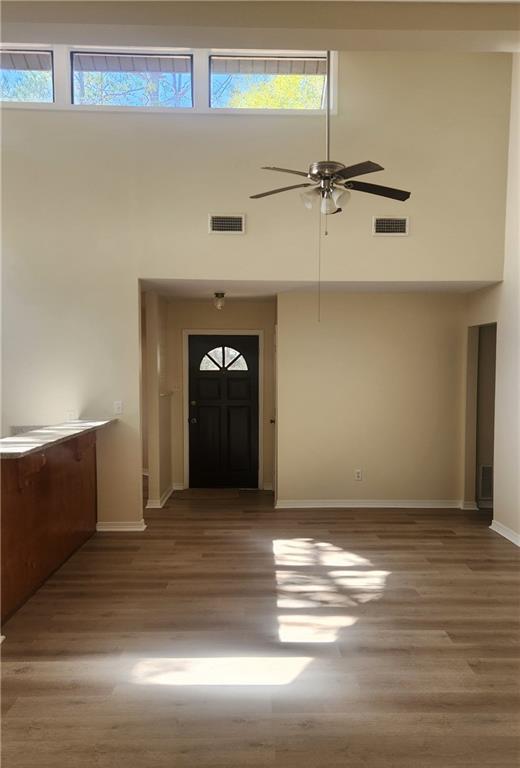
x,y
230,635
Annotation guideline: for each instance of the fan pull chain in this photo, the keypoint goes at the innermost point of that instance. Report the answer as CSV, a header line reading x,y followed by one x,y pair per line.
x,y
320,247
319,266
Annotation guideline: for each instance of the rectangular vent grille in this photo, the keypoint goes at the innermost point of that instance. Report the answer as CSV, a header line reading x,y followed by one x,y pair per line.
x,y
389,226
234,225
486,482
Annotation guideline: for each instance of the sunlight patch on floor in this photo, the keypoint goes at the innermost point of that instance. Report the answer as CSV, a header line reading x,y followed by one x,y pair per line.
x,y
307,580
311,552
303,590
232,670
300,628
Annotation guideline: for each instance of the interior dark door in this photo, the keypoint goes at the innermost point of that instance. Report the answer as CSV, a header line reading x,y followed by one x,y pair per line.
x,y
487,344
223,411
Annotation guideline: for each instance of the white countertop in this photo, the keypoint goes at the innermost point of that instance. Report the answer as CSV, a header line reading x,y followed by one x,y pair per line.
x,y
39,439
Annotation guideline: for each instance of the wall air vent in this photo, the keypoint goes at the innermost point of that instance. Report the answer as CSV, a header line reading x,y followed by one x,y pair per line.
x,y
227,225
386,225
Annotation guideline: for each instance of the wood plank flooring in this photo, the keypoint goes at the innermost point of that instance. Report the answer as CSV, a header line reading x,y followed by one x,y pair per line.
x,y
230,635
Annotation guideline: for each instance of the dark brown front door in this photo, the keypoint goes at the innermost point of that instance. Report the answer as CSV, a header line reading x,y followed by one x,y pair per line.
x,y
223,411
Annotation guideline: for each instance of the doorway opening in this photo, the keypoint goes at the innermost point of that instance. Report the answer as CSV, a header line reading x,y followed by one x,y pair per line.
x,y
480,417
487,341
173,314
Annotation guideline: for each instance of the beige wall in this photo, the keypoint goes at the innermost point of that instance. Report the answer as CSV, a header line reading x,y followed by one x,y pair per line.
x,y
258,315
93,201
70,321
144,393
470,431
501,305
158,404
433,121
377,385
165,406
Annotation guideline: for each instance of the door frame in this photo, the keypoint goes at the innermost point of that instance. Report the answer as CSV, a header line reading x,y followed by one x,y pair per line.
x,y
470,500
186,333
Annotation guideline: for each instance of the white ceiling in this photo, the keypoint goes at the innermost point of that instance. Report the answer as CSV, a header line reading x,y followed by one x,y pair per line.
x,y
247,289
466,25
422,2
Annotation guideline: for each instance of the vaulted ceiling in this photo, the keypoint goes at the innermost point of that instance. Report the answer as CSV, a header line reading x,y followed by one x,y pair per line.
x,y
362,25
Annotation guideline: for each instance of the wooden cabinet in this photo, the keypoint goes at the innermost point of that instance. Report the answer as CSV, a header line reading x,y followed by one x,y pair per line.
x,y
48,511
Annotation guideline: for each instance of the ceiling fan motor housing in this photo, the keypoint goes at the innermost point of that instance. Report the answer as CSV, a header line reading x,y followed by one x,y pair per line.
x,y
325,169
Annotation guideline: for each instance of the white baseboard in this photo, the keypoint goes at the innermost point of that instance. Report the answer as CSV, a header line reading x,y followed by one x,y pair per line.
x,y
368,504
506,532
118,525
159,503
182,487
469,506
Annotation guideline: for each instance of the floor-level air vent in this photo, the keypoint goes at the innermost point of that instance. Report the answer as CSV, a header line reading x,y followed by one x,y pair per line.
x,y
385,225
229,225
486,482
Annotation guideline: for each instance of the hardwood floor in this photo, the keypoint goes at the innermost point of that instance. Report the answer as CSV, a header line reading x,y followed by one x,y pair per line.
x,y
228,635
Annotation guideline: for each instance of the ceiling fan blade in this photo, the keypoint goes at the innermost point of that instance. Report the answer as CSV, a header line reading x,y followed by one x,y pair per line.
x,y
359,169
377,189
284,170
281,189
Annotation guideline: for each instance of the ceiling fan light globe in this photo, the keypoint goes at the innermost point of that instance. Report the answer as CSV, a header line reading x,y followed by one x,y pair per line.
x,y
309,197
340,196
328,205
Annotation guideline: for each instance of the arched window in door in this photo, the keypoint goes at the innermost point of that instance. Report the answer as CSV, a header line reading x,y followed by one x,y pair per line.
x,y
223,359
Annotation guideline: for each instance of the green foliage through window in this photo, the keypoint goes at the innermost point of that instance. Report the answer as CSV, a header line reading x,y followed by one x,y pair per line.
x,y
267,82
132,80
26,76
160,80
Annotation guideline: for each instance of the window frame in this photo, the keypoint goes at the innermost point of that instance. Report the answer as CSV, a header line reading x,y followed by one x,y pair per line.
x,y
32,104
271,54
141,52
201,85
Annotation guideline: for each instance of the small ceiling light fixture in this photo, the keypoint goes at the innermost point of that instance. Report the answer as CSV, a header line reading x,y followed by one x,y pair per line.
x,y
219,299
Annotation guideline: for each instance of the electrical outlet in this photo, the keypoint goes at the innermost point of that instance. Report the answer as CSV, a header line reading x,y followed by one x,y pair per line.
x,y
118,407
358,474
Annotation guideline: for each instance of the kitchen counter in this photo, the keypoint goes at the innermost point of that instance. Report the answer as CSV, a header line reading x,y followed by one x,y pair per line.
x,y
49,503
36,440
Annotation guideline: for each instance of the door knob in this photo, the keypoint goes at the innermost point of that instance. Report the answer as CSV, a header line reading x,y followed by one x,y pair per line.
x,y
193,420
193,402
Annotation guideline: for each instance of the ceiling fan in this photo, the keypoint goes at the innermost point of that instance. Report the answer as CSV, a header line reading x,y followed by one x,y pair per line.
x,y
332,181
